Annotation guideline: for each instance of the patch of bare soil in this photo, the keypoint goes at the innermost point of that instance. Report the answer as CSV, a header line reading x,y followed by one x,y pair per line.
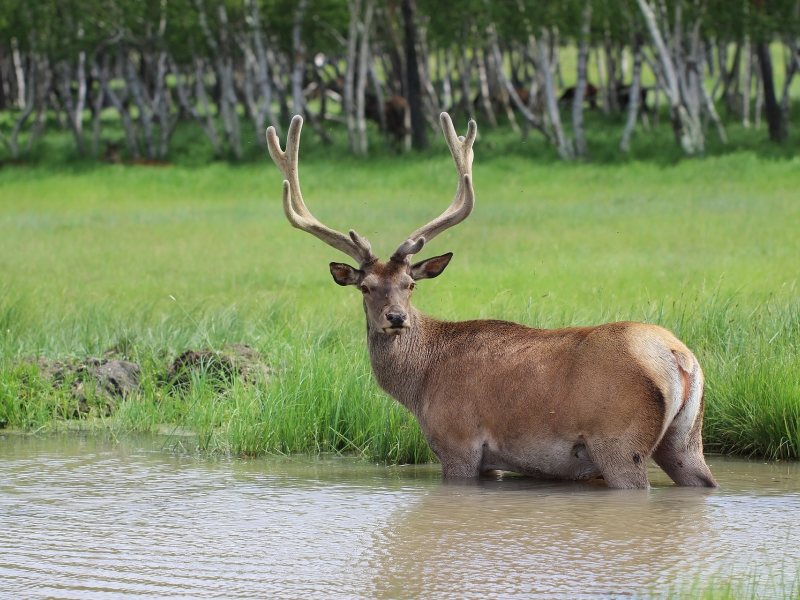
x,y
111,379
236,360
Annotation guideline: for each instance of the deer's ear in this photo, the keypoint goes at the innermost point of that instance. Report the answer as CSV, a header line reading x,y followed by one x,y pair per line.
x,y
345,274
430,268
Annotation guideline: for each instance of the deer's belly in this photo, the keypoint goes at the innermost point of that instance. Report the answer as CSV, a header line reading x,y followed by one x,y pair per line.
x,y
546,458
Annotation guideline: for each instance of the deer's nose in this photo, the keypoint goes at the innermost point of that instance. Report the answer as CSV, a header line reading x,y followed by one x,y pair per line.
x,y
396,319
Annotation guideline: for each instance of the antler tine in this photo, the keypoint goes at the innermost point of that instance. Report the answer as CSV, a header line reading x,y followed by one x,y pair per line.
x,y
464,200
355,246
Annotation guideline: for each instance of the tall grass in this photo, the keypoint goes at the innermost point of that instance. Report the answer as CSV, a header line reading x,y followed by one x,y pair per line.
x,y
719,586
321,397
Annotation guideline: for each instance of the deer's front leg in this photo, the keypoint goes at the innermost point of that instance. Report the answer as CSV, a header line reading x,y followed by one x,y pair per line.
x,y
459,460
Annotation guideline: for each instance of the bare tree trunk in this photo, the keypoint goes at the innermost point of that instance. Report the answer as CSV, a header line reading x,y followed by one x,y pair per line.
x,y
361,85
3,94
348,101
708,103
280,86
579,132
81,103
601,83
633,96
206,120
264,108
27,102
43,85
447,85
223,64
747,82
65,79
564,147
486,100
299,62
131,143
20,74
729,91
791,69
142,105
496,57
466,92
759,97
418,132
380,100
161,106
611,73
526,109
230,115
685,125
430,100
777,129
98,109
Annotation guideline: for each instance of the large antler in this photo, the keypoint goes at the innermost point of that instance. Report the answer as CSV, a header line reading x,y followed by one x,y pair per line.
x,y
355,246
464,201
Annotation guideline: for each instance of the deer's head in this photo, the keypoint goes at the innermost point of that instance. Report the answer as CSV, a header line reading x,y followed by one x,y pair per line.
x,y
386,286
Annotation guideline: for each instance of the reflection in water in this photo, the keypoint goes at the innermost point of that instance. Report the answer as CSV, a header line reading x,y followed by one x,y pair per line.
x,y
85,518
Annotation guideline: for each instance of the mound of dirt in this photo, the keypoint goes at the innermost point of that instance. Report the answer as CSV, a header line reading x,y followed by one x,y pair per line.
x,y
236,360
113,379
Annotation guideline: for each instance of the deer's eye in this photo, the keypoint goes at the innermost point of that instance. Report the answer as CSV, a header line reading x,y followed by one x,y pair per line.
x,y
412,286
365,289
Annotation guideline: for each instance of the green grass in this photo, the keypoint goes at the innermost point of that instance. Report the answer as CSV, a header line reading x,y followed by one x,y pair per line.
x,y
719,586
91,256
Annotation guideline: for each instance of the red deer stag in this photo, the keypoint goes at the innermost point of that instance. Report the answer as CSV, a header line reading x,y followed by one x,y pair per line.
x,y
574,403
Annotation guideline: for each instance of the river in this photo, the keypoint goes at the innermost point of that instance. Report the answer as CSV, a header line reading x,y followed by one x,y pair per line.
x,y
88,517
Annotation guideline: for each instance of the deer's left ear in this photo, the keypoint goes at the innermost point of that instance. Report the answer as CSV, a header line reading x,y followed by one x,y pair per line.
x,y
430,268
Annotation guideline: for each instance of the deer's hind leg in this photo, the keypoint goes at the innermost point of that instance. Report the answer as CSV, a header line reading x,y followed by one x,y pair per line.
x,y
680,452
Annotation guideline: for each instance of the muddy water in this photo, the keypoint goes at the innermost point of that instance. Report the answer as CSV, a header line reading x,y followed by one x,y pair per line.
x,y
88,518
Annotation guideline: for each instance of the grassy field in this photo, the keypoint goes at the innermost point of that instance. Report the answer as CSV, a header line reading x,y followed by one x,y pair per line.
x,y
155,261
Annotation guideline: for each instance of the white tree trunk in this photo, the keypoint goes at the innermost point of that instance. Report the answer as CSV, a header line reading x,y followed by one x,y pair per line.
x,y
299,63
264,108
28,102
143,106
747,81
131,143
564,147
20,74
98,109
65,79
633,97
361,86
686,127
579,132
348,104
483,80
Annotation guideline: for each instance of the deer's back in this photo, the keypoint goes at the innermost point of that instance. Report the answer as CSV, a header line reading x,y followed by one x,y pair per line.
x,y
496,376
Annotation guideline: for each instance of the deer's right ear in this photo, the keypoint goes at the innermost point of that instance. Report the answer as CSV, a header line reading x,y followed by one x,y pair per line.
x,y
345,274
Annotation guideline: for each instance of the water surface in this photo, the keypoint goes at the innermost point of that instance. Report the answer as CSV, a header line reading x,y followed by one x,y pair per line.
x,y
85,517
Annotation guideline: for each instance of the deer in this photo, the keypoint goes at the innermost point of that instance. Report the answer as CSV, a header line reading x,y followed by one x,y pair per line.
x,y
576,403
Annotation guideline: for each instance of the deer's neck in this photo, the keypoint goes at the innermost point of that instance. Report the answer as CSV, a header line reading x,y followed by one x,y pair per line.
x,y
400,362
